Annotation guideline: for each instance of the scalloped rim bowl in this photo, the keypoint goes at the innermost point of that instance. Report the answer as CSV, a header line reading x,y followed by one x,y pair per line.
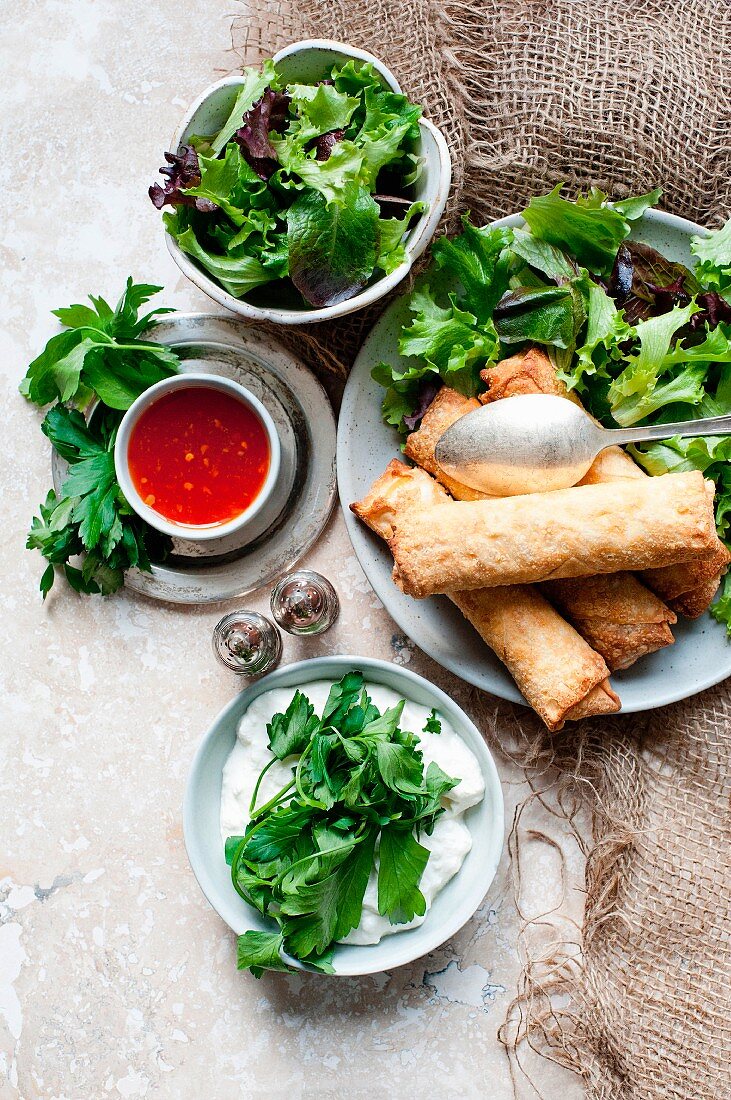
x,y
304,61
452,907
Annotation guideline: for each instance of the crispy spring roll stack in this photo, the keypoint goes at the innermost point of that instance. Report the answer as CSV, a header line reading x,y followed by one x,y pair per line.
x,y
689,587
619,618
579,532
558,673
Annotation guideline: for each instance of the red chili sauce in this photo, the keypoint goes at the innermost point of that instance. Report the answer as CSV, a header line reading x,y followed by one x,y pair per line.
x,y
198,456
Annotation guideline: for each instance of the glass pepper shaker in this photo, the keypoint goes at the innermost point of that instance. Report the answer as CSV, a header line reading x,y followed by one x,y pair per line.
x,y
304,602
247,643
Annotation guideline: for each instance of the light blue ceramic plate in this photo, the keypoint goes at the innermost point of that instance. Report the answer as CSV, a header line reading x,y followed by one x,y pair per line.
x,y
701,655
451,908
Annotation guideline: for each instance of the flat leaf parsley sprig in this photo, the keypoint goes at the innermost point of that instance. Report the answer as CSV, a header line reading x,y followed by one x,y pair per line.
x,y
100,356
358,792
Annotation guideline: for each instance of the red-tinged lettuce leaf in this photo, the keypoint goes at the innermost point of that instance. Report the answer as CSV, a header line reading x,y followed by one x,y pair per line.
x,y
269,113
332,247
325,143
429,387
182,170
646,284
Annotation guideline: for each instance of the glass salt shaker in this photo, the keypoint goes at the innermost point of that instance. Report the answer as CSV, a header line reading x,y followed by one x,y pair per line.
x,y
304,602
247,643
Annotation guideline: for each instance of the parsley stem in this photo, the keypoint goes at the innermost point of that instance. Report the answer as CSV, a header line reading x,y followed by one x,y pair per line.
x,y
316,855
277,798
262,773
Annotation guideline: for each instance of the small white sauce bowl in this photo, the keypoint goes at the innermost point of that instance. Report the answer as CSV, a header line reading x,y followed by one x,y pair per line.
x,y
309,61
451,908
194,532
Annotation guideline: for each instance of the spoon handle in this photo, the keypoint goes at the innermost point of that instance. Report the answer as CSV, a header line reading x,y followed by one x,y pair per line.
x,y
712,425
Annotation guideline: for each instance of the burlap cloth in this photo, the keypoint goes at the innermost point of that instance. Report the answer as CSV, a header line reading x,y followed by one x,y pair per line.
x,y
625,96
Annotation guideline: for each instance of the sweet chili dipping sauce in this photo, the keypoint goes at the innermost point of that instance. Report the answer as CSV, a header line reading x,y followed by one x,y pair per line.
x,y
198,456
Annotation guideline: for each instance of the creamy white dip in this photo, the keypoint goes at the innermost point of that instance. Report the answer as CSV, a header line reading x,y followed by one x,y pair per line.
x,y
449,843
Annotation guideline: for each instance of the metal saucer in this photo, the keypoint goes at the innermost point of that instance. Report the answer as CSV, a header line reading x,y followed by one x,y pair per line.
x,y
230,567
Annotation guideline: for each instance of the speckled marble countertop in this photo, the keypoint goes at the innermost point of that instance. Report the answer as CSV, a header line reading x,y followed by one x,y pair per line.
x,y
116,979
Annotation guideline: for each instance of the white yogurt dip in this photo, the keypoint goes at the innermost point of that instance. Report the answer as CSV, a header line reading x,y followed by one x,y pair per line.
x,y
449,843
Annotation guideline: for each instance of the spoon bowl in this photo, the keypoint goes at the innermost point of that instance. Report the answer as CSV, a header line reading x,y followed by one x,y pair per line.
x,y
537,442
531,443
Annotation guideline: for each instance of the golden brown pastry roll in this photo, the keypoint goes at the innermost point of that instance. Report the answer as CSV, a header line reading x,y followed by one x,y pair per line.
x,y
616,614
447,407
558,673
687,588
576,532
620,634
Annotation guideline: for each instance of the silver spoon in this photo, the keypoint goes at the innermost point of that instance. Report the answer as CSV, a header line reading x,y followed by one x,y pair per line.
x,y
533,443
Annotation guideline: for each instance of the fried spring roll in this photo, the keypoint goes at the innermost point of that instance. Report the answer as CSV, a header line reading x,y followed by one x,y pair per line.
x,y
559,675
619,618
447,407
576,532
616,614
687,588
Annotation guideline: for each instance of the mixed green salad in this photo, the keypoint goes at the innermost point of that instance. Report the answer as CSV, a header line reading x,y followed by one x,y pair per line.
x,y
305,185
358,787
641,338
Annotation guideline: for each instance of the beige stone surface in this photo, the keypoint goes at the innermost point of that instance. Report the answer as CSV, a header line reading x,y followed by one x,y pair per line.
x,y
116,978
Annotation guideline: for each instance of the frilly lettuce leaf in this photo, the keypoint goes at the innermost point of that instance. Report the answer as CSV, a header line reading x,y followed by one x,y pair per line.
x,y
478,260
449,341
632,393
606,329
228,182
319,109
330,177
714,256
589,230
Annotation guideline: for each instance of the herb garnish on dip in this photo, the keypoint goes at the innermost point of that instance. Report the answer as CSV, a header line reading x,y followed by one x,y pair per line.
x,y
352,825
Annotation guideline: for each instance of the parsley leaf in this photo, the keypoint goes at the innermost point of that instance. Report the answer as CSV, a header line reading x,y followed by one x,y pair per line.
x,y
101,353
90,515
402,862
260,951
290,732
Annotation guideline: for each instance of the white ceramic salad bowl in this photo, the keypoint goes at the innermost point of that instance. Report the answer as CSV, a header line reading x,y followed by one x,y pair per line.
x,y
451,908
309,61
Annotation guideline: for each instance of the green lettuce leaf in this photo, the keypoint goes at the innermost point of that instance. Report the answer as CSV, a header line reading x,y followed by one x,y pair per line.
x,y
714,259
606,329
632,395
448,341
391,234
230,183
256,82
330,177
633,208
479,261
590,232
332,247
236,274
319,109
